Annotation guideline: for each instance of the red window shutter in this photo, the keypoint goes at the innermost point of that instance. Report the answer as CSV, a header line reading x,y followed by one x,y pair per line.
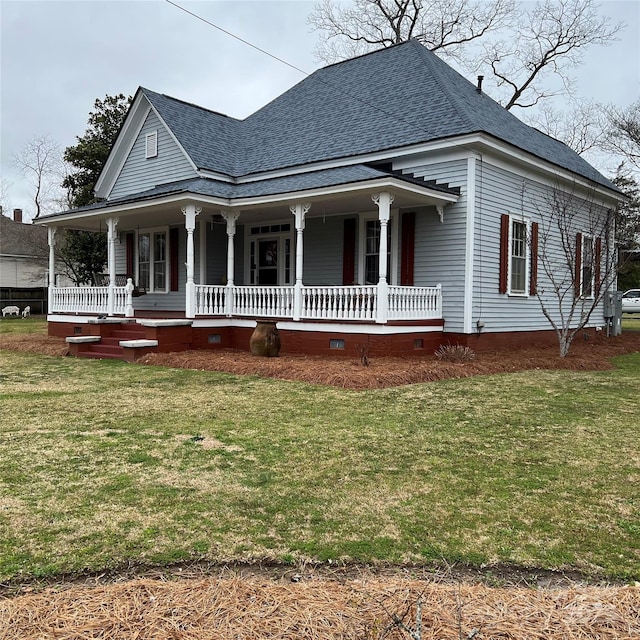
x,y
349,252
408,248
130,254
504,253
578,274
174,266
596,267
533,284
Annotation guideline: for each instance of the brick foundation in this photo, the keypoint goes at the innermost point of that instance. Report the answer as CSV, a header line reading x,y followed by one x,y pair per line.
x,y
328,343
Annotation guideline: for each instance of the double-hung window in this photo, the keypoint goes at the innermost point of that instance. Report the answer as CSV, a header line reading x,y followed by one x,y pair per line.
x,y
518,256
518,262
370,247
587,267
152,260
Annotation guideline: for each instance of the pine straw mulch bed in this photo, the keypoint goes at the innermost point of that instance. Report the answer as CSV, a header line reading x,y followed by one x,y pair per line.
x,y
349,373
234,607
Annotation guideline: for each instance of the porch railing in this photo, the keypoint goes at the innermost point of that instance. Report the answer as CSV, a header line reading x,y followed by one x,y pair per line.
x,y
355,303
86,300
339,303
415,303
268,302
210,300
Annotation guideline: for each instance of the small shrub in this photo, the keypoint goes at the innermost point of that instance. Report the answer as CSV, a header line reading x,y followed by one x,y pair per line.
x,y
455,353
364,354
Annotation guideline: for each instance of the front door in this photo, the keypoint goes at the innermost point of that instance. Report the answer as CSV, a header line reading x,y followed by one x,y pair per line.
x,y
268,262
269,255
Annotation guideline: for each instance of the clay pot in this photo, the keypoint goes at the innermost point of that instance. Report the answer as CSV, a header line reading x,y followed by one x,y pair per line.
x,y
265,339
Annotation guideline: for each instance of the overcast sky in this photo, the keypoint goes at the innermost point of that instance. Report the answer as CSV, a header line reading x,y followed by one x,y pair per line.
x,y
57,57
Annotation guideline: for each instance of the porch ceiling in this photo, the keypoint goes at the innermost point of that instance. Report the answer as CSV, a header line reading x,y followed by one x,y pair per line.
x,y
166,209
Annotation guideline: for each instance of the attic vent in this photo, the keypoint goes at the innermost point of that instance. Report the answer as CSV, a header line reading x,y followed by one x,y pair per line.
x,y
151,145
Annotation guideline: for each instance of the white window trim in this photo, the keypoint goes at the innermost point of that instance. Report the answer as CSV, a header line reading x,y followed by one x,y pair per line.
x,y
151,233
363,218
527,272
151,144
592,240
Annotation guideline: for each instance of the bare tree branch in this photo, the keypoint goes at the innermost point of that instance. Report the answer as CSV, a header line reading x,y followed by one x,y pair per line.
x,y
551,38
583,127
440,25
623,134
527,46
41,162
577,259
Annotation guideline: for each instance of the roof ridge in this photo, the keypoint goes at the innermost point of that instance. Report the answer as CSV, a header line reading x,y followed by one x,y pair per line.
x,y
364,55
190,104
428,56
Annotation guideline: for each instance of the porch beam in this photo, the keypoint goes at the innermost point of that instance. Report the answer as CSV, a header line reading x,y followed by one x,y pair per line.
x,y
383,200
190,212
230,217
299,210
112,223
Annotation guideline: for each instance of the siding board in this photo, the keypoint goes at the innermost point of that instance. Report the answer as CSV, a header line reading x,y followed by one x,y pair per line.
x,y
140,173
498,192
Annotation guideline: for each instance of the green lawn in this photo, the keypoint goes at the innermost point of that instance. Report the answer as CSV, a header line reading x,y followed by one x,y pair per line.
x,y
105,464
17,324
631,322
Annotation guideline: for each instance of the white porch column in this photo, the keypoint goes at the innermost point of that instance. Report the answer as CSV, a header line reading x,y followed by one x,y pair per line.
x,y
299,210
190,212
112,223
383,200
51,234
203,252
230,217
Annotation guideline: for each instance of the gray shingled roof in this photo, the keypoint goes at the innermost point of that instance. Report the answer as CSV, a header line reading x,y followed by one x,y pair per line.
x,y
274,186
18,239
210,138
393,97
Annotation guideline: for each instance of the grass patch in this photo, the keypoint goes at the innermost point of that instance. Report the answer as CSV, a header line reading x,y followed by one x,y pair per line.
x,y
18,324
104,463
630,322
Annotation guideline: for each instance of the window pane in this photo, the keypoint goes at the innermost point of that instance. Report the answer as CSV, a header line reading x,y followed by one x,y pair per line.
x,y
159,261
587,267
518,275
518,257
372,252
144,251
371,270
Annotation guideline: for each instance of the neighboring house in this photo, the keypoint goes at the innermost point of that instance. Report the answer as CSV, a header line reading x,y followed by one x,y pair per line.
x,y
383,202
23,253
23,263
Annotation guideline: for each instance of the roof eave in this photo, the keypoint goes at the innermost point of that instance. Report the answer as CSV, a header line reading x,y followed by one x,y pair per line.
x,y
393,184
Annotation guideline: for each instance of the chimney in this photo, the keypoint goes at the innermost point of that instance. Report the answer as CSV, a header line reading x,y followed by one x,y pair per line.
x,y
480,79
17,215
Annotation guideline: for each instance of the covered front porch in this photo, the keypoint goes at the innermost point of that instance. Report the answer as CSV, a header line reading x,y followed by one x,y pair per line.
x,y
268,261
